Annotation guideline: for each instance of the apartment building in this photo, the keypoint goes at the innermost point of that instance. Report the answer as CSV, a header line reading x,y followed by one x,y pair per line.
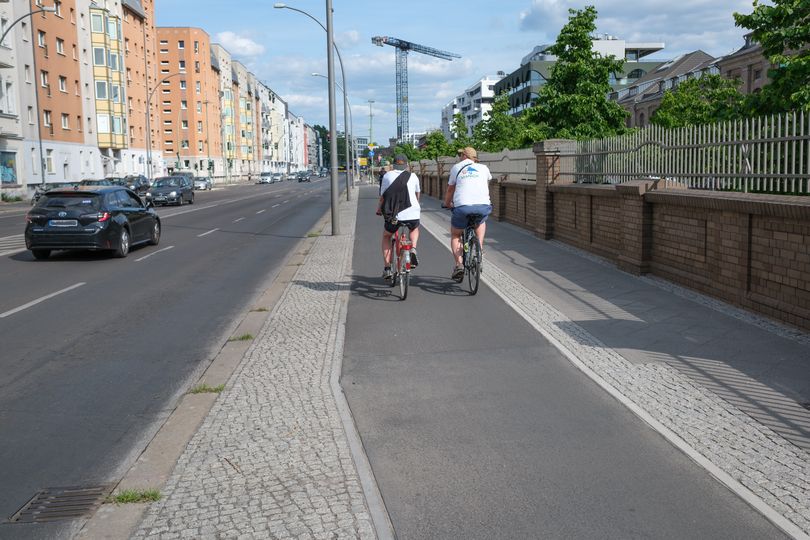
x,y
188,96
523,84
474,106
141,75
11,131
279,135
246,129
747,64
297,142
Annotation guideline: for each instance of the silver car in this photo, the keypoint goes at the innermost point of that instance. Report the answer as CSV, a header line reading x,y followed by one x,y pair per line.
x,y
202,182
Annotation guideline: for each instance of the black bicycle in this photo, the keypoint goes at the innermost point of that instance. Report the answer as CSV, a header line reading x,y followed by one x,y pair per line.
x,y
472,258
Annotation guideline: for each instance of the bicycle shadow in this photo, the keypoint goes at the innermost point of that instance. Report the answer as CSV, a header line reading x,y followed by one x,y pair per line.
x,y
375,288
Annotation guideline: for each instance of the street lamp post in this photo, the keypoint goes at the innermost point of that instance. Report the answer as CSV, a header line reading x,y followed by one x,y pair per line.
x,y
48,9
149,130
348,123
279,5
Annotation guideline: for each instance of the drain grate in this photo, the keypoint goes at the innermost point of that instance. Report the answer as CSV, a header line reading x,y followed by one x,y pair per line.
x,y
55,504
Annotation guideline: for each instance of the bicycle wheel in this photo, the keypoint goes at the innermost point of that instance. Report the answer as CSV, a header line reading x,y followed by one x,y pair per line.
x,y
474,265
404,278
394,263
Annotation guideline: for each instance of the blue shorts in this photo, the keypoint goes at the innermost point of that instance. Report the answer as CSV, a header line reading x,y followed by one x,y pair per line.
x,y
460,213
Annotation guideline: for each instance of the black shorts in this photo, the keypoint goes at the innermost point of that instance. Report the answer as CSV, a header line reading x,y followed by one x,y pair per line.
x,y
410,223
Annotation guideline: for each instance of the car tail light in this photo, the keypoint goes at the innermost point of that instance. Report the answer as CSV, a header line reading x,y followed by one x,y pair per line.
x,y
103,216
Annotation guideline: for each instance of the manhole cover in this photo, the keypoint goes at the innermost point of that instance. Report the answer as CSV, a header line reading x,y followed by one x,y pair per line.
x,y
54,504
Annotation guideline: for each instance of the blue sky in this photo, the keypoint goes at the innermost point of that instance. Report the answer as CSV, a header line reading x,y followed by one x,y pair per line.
x,y
283,47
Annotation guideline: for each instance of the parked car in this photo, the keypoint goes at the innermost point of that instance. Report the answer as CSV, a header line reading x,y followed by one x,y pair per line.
x,y
44,188
170,190
99,182
266,178
203,182
96,218
277,177
138,183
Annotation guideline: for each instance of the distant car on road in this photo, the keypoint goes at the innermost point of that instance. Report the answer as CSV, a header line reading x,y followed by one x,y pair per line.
x,y
203,182
44,188
277,177
304,176
265,178
99,182
171,190
138,183
109,218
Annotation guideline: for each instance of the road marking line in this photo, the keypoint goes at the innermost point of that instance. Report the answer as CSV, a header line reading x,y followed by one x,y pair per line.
x,y
207,233
260,211
154,253
38,300
238,220
275,205
285,202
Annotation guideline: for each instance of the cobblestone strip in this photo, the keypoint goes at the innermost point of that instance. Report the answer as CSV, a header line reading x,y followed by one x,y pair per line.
x,y
271,459
768,466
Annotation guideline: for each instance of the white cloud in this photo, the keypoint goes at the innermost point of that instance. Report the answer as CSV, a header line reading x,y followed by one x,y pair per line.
x,y
239,45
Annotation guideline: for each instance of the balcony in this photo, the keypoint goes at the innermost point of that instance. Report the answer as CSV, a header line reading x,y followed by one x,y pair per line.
x,y
9,126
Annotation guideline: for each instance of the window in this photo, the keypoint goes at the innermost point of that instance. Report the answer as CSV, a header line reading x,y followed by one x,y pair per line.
x,y
181,44
182,66
7,105
58,5
27,73
197,87
97,22
103,121
199,126
46,118
199,146
199,107
196,46
41,40
101,90
8,167
182,85
184,143
43,78
184,124
30,115
164,62
164,51
115,92
49,160
196,67
167,131
62,84
164,42
112,28
183,104
98,56
114,61
65,121
60,46
118,125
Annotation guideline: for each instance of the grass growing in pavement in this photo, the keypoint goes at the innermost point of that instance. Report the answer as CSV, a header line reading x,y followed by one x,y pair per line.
x,y
260,310
205,389
243,337
313,235
135,496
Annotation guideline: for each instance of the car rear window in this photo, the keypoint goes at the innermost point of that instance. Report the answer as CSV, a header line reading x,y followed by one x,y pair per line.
x,y
70,200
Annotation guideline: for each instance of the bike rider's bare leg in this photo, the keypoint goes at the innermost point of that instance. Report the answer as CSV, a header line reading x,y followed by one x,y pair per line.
x,y
455,244
386,248
480,230
414,237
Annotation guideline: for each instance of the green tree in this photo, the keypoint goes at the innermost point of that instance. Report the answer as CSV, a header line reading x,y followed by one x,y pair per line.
x,y
323,132
697,101
410,151
459,130
436,146
572,104
783,31
500,130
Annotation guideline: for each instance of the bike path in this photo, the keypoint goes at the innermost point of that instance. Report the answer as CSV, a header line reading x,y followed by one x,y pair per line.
x,y
476,426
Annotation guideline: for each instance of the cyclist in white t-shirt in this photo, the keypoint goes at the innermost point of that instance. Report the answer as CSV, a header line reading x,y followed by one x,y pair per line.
x,y
409,216
467,194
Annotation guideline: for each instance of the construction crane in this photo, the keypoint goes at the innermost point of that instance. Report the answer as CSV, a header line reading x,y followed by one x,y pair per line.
x,y
403,47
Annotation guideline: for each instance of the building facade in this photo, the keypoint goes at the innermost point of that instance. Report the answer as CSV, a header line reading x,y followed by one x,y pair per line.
x,y
474,106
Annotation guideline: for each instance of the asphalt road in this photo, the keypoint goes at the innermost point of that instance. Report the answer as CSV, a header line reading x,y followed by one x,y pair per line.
x,y
476,427
96,350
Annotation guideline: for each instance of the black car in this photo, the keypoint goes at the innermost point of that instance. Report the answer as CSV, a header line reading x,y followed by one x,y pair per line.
x,y
304,176
138,183
171,190
90,218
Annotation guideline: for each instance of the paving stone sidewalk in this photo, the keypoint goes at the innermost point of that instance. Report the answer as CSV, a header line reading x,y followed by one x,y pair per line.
x,y
271,459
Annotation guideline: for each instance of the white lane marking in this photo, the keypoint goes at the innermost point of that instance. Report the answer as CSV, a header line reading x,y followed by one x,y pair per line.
x,y
207,233
238,220
12,244
260,211
276,205
154,253
38,300
285,202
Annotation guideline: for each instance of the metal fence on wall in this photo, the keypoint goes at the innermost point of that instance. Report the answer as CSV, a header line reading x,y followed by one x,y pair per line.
x,y
768,154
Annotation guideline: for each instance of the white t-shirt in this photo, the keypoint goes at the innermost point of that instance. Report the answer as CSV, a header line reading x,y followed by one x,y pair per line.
x,y
413,188
472,183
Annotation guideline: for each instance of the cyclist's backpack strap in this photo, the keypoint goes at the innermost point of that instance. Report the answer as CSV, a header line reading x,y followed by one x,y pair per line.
x,y
461,169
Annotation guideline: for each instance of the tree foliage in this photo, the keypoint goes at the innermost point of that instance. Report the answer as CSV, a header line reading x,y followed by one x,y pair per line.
x,y
502,131
573,104
710,98
436,146
459,130
783,31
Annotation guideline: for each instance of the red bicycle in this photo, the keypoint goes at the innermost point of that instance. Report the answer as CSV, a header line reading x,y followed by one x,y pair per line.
x,y
401,260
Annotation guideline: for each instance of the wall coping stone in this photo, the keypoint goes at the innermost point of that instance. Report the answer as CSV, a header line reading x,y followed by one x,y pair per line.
x,y
784,206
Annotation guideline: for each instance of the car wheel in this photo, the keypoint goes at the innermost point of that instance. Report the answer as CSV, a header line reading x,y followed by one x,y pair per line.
x,y
191,201
123,244
180,200
154,238
41,254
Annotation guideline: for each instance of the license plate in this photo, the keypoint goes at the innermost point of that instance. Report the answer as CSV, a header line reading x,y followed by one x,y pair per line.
x,y
63,223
